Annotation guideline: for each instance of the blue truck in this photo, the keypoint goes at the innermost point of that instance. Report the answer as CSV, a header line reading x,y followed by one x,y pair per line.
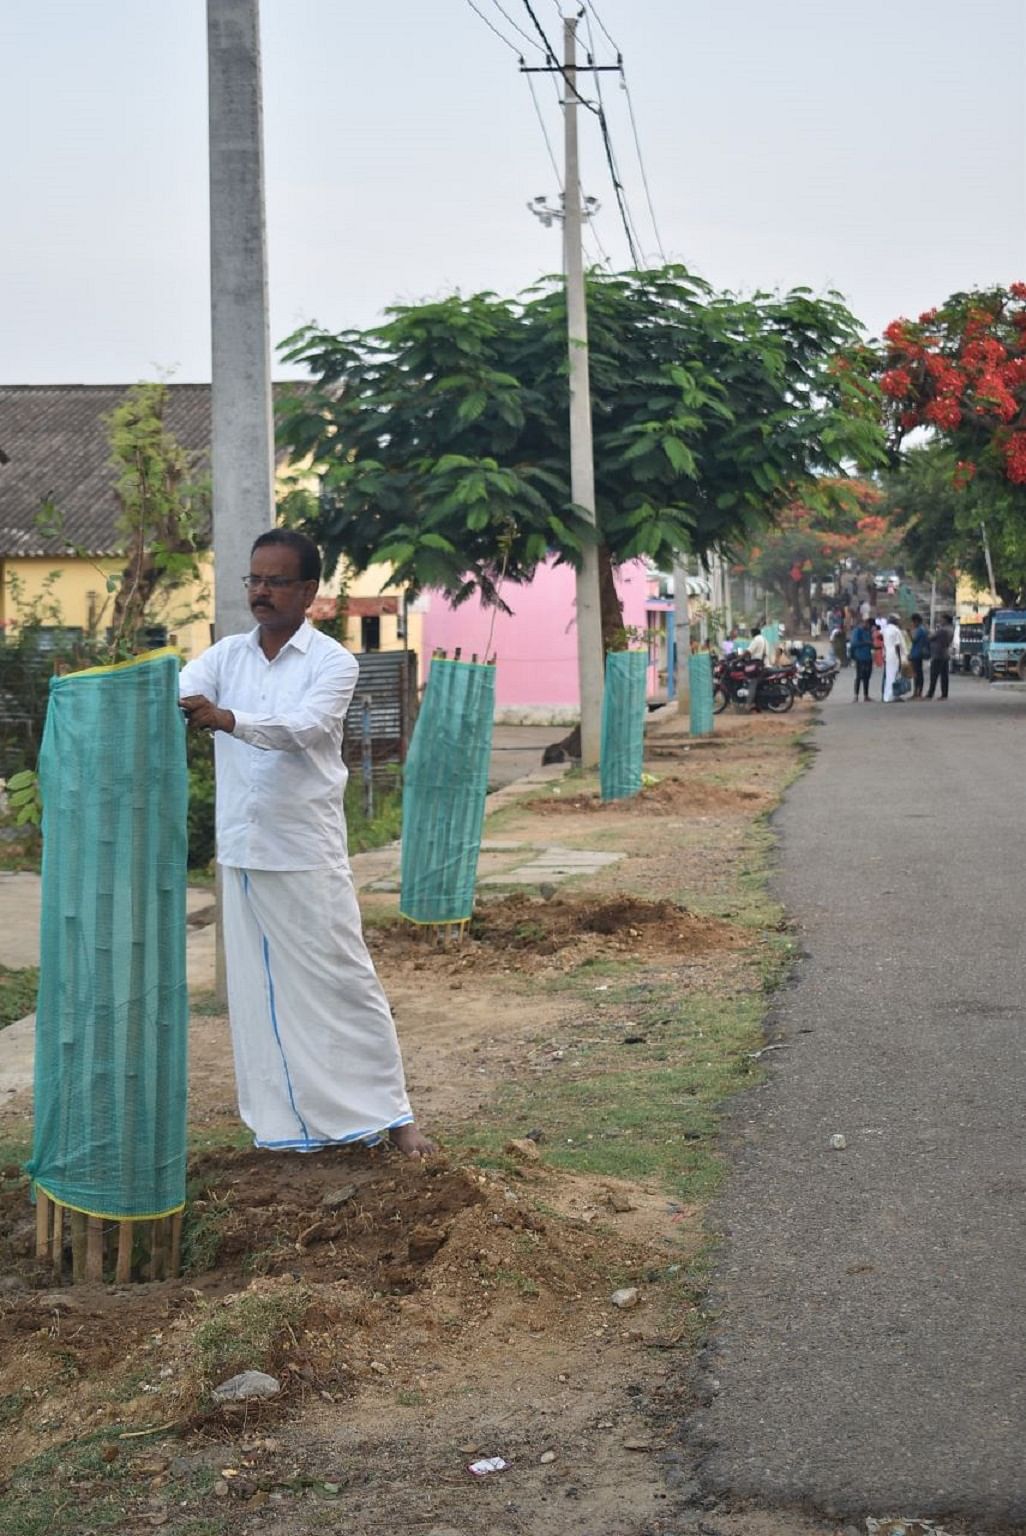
x,y
1003,650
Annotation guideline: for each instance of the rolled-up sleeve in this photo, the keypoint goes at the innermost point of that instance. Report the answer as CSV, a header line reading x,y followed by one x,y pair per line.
x,y
200,677
319,715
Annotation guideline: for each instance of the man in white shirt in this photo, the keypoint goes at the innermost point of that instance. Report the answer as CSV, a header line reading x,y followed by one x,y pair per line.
x,y
892,639
317,1060
758,646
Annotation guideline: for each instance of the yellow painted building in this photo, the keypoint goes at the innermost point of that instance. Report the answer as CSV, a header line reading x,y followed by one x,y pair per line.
x,y
55,457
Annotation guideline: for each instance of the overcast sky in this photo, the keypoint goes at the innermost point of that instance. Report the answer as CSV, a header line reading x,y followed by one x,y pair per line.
x,y
875,146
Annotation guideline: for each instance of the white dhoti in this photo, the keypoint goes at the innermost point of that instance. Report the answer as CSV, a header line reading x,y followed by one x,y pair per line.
x,y
317,1060
892,667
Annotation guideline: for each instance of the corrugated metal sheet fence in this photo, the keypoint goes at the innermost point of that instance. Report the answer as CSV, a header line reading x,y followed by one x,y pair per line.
x,y
386,700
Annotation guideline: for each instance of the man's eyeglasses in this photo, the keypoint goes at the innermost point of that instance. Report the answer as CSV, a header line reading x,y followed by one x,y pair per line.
x,y
276,583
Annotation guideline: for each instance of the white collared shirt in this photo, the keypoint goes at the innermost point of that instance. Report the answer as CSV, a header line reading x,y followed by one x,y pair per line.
x,y
280,775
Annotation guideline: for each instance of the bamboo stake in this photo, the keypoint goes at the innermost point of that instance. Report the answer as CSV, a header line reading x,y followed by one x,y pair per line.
x,y
94,1249
57,1244
42,1225
78,1246
176,1245
158,1248
123,1270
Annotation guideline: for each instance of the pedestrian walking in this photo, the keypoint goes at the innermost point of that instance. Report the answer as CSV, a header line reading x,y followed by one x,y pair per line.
x,y
862,656
940,652
317,1061
919,652
892,643
839,641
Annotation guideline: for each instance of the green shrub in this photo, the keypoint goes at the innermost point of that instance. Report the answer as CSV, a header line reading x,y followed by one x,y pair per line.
x,y
200,758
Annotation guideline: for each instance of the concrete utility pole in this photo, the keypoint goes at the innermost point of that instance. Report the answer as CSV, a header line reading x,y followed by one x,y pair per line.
x,y
242,452
242,430
682,631
590,656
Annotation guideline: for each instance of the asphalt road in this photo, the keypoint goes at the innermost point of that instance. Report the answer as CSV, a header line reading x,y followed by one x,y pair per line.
x,y
870,1354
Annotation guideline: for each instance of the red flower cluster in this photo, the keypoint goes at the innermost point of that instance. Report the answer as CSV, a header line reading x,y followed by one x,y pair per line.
x,y
897,383
982,356
962,370
992,394
943,411
1015,458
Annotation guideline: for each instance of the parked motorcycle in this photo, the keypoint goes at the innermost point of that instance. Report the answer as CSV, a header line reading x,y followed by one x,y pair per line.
x,y
749,685
813,678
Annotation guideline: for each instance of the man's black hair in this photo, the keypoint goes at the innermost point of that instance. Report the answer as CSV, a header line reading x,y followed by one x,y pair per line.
x,y
306,549
915,618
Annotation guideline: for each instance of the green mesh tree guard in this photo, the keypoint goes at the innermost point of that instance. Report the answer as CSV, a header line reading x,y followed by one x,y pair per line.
x,y
444,789
623,724
771,635
700,672
112,1016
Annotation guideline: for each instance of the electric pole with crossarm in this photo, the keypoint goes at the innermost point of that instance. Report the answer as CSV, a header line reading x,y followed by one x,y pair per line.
x,y
590,657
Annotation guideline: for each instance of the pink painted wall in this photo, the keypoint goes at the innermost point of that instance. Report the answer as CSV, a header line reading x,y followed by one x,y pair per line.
x,y
536,645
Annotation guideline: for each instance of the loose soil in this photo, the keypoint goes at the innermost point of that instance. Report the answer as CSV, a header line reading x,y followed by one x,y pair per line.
x,y
419,1316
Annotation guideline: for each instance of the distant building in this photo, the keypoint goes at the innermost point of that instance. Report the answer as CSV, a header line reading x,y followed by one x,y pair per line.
x,y
55,450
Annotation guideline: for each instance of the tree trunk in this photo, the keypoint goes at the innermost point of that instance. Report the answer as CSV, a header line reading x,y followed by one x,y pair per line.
x,y
610,606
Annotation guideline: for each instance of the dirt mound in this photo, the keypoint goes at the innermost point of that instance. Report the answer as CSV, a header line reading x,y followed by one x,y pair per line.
x,y
670,797
343,1273
526,931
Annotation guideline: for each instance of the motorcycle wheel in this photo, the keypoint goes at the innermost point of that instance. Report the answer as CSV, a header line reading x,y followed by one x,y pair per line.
x,y
823,690
719,699
777,700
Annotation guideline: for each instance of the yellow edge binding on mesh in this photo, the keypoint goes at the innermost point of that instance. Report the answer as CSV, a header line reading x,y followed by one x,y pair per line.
x,y
436,922
172,1210
119,666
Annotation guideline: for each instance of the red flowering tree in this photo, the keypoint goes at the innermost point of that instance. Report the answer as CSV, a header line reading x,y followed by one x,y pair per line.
x,y
960,372
812,537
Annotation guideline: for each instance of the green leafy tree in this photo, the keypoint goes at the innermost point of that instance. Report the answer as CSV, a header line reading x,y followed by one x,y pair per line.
x,y
442,436
940,513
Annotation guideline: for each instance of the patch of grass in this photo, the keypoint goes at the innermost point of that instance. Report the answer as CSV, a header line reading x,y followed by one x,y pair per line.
x,y
21,852
249,1335
648,1110
201,1233
214,1138
18,990
15,1149
379,829
72,1488
205,1004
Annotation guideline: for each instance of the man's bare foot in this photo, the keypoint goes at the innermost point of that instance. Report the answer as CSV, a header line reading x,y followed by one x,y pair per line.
x,y
411,1142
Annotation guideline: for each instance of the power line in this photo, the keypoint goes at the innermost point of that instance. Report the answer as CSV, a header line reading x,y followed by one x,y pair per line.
x,y
525,35
602,25
501,36
641,164
628,223
545,133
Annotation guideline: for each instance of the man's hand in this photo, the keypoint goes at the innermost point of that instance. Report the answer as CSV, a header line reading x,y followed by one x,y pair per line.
x,y
204,716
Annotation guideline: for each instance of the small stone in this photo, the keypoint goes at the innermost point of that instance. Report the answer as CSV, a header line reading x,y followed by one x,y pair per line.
x,y
547,1458
247,1385
379,1369
628,1296
619,1202
220,1489
523,1149
336,1197
838,1142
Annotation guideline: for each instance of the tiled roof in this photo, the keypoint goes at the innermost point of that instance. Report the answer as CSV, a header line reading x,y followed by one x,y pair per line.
x,y
55,444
